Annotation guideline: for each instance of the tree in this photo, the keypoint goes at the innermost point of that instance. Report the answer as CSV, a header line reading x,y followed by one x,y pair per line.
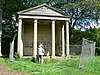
x,y
10,7
92,34
81,13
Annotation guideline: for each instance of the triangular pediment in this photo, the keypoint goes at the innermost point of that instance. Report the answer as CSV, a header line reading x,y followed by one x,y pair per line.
x,y
42,10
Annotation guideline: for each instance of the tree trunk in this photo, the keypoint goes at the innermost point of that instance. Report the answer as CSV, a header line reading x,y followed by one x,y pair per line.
x,y
71,28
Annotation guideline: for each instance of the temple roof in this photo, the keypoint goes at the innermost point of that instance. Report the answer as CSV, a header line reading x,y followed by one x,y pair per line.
x,y
42,10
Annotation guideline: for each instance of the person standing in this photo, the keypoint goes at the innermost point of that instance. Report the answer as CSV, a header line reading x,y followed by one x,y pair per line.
x,y
40,53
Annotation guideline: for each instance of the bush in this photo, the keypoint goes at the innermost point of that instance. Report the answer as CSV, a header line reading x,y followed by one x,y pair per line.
x,y
17,55
34,60
97,51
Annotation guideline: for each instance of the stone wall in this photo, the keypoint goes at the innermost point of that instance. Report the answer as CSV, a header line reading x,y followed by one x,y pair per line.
x,y
44,36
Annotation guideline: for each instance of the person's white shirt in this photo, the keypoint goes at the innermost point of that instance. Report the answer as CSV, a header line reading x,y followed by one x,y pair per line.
x,y
41,51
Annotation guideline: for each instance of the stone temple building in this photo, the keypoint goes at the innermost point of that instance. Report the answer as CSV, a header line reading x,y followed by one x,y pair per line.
x,y
43,24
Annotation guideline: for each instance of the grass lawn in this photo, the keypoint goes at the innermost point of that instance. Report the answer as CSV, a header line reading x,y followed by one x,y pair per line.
x,y
55,67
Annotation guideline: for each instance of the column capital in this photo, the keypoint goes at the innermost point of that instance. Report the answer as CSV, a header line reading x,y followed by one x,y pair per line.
x,y
20,19
53,21
67,22
35,20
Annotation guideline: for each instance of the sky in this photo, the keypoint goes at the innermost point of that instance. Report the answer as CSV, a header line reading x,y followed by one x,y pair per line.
x,y
92,25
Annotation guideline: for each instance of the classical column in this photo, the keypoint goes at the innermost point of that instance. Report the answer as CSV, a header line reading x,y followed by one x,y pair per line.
x,y
67,38
0,30
0,39
53,39
20,43
63,42
35,39
0,47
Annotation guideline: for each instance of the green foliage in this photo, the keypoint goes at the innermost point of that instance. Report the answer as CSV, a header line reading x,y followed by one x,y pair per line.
x,y
35,60
9,28
47,61
92,34
9,32
17,55
66,67
53,60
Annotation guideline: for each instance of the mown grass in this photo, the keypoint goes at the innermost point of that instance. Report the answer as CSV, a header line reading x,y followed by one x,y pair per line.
x,y
55,67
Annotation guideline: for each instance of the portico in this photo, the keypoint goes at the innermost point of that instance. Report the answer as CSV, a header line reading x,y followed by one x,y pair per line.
x,y
46,25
